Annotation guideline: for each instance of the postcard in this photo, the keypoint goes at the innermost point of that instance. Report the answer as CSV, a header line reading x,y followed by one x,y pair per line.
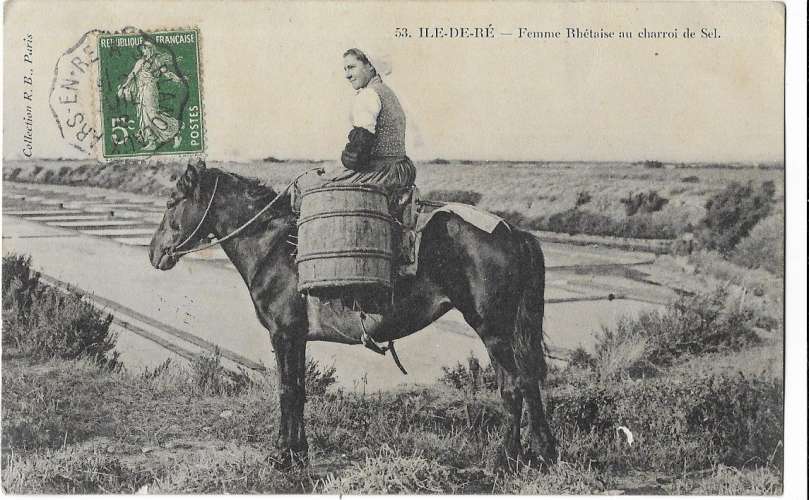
x,y
394,247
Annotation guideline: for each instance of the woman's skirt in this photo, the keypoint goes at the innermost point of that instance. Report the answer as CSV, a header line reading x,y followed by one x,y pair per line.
x,y
394,173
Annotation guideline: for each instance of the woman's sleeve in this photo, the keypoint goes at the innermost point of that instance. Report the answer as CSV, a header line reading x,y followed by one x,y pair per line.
x,y
365,110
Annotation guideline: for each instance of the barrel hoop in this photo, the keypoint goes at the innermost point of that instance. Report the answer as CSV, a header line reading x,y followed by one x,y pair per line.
x,y
352,252
370,188
347,213
341,282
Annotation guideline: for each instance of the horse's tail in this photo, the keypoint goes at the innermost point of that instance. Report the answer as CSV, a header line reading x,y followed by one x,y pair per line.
x,y
529,346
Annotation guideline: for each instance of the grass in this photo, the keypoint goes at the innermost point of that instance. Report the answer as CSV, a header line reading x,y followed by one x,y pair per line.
x,y
155,433
200,429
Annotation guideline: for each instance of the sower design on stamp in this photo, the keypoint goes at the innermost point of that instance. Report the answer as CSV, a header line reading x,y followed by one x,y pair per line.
x,y
151,101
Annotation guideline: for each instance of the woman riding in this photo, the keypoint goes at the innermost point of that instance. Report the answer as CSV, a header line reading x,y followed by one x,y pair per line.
x,y
375,152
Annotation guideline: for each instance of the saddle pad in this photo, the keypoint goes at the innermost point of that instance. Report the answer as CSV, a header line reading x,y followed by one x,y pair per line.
x,y
481,219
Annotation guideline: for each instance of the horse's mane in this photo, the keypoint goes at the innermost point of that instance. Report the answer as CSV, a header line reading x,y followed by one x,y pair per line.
x,y
253,189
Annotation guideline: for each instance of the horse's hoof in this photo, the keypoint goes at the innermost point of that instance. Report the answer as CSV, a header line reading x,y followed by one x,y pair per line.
x,y
505,462
542,454
288,459
539,461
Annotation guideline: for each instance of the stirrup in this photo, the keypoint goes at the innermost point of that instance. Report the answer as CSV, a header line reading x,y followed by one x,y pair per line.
x,y
373,345
367,341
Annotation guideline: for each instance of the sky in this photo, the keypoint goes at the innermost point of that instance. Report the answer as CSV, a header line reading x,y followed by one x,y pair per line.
x,y
273,83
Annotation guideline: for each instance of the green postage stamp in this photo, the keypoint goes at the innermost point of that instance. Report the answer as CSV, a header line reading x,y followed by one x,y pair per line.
x,y
151,100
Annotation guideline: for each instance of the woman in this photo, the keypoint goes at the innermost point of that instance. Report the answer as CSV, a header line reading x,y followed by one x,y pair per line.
x,y
375,152
155,126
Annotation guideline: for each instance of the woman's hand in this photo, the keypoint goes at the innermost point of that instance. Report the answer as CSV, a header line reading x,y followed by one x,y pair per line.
x,y
358,150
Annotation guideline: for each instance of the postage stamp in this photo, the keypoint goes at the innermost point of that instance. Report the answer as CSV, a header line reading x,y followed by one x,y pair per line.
x,y
150,92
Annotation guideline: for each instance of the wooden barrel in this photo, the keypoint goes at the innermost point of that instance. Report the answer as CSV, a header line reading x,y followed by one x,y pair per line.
x,y
344,239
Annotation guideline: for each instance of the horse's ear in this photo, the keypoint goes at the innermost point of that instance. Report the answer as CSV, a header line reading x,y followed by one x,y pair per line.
x,y
189,180
201,165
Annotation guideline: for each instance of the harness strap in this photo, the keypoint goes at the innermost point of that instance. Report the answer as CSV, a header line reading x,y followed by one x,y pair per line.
x,y
204,216
173,254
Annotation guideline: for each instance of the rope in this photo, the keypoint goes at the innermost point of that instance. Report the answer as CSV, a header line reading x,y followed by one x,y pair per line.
x,y
204,216
239,229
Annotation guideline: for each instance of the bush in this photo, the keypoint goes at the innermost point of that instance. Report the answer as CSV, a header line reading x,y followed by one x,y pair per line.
x,y
732,213
582,198
579,222
469,378
677,424
45,323
210,378
579,358
643,202
690,326
653,164
455,196
690,179
319,380
764,247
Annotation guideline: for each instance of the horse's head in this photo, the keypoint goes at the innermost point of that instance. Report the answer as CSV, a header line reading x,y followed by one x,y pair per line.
x,y
182,224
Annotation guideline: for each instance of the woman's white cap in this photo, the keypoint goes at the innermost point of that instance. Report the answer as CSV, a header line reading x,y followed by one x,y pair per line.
x,y
379,59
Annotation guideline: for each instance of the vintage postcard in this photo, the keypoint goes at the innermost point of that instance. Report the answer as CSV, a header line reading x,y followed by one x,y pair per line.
x,y
395,248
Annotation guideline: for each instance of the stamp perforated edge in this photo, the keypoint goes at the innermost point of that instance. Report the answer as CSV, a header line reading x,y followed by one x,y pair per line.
x,y
131,30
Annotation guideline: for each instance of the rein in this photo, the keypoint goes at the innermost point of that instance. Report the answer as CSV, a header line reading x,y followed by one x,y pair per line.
x,y
174,254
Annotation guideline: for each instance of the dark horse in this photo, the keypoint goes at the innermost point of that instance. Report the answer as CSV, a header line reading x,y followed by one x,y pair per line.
x,y
497,281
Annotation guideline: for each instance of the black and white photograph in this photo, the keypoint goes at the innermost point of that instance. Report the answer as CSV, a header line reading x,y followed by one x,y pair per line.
x,y
374,248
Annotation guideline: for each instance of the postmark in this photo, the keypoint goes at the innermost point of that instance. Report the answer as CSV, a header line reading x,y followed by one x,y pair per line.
x,y
150,94
73,96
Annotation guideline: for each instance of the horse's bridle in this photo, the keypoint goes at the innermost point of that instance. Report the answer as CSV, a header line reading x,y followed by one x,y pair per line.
x,y
173,254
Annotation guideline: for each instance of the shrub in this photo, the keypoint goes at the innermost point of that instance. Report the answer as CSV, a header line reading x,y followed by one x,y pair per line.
x,y
319,380
439,161
733,212
469,378
45,323
212,379
455,196
653,164
763,247
643,202
690,326
582,198
677,424
579,222
579,358
690,179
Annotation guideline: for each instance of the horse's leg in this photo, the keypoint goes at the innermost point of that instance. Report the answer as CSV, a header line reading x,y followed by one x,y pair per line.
x,y
502,358
290,356
529,347
541,440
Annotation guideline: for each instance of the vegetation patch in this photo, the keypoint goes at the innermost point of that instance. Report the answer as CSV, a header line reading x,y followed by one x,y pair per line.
x,y
733,212
763,247
45,323
645,203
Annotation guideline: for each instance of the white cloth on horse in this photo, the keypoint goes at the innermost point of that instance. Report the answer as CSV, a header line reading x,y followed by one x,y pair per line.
x,y
481,219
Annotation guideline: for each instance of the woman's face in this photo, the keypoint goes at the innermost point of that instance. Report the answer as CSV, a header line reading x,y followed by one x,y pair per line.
x,y
146,51
357,72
